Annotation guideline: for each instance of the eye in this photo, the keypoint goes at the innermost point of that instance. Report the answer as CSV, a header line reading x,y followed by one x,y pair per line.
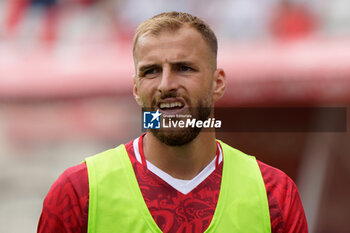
x,y
184,68
150,72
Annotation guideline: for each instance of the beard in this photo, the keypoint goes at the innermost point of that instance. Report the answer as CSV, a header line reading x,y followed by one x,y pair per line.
x,y
182,136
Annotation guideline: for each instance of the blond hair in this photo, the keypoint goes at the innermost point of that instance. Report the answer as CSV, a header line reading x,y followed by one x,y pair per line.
x,y
172,21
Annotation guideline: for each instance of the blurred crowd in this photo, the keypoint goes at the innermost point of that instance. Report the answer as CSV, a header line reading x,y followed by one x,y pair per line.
x,y
53,21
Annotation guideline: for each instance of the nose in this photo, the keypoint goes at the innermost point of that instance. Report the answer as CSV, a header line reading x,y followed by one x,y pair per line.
x,y
168,82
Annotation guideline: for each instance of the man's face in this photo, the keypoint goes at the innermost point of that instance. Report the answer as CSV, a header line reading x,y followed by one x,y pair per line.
x,y
175,73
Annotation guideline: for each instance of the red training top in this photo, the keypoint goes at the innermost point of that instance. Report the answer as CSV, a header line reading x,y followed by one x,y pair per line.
x,y
66,205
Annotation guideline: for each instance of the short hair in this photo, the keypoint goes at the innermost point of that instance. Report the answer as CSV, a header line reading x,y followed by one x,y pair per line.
x,y
172,21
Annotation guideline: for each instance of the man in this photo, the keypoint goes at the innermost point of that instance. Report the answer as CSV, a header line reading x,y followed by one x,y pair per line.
x,y
178,179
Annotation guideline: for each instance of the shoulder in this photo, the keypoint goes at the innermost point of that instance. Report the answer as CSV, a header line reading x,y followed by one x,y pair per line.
x,y
71,185
66,204
286,209
274,177
75,177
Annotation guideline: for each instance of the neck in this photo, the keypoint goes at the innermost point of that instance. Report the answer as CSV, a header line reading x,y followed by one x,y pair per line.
x,y
181,162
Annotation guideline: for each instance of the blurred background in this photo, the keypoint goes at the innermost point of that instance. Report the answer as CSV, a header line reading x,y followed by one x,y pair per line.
x,y
66,91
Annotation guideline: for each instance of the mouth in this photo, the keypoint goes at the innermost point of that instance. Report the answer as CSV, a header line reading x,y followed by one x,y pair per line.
x,y
171,105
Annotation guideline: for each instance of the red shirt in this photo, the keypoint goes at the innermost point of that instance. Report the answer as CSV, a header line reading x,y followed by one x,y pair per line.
x,y
66,205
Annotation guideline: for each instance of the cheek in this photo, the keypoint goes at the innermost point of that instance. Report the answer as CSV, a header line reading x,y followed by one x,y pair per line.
x,y
202,88
202,92
146,92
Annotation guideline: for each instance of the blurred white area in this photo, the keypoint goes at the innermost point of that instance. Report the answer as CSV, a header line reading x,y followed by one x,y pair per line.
x,y
38,141
88,21
66,87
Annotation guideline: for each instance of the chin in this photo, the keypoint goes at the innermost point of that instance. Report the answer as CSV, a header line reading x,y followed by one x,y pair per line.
x,y
176,137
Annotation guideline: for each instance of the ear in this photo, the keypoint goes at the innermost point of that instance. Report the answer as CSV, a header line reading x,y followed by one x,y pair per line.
x,y
135,91
219,84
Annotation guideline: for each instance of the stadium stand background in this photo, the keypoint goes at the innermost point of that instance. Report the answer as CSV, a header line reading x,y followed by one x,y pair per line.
x,y
65,91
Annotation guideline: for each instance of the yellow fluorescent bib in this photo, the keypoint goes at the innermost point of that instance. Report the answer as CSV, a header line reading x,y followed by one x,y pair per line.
x,y
116,204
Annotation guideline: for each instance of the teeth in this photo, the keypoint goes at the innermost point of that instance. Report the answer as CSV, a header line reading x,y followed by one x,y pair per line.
x,y
170,105
164,105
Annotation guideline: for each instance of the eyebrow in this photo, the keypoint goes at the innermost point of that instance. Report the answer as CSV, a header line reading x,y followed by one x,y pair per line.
x,y
152,66
146,67
186,63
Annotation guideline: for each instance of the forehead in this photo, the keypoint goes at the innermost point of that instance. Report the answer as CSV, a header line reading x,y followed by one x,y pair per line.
x,y
184,43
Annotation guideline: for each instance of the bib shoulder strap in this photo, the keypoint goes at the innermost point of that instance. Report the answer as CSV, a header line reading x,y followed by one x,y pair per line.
x,y
242,204
116,203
